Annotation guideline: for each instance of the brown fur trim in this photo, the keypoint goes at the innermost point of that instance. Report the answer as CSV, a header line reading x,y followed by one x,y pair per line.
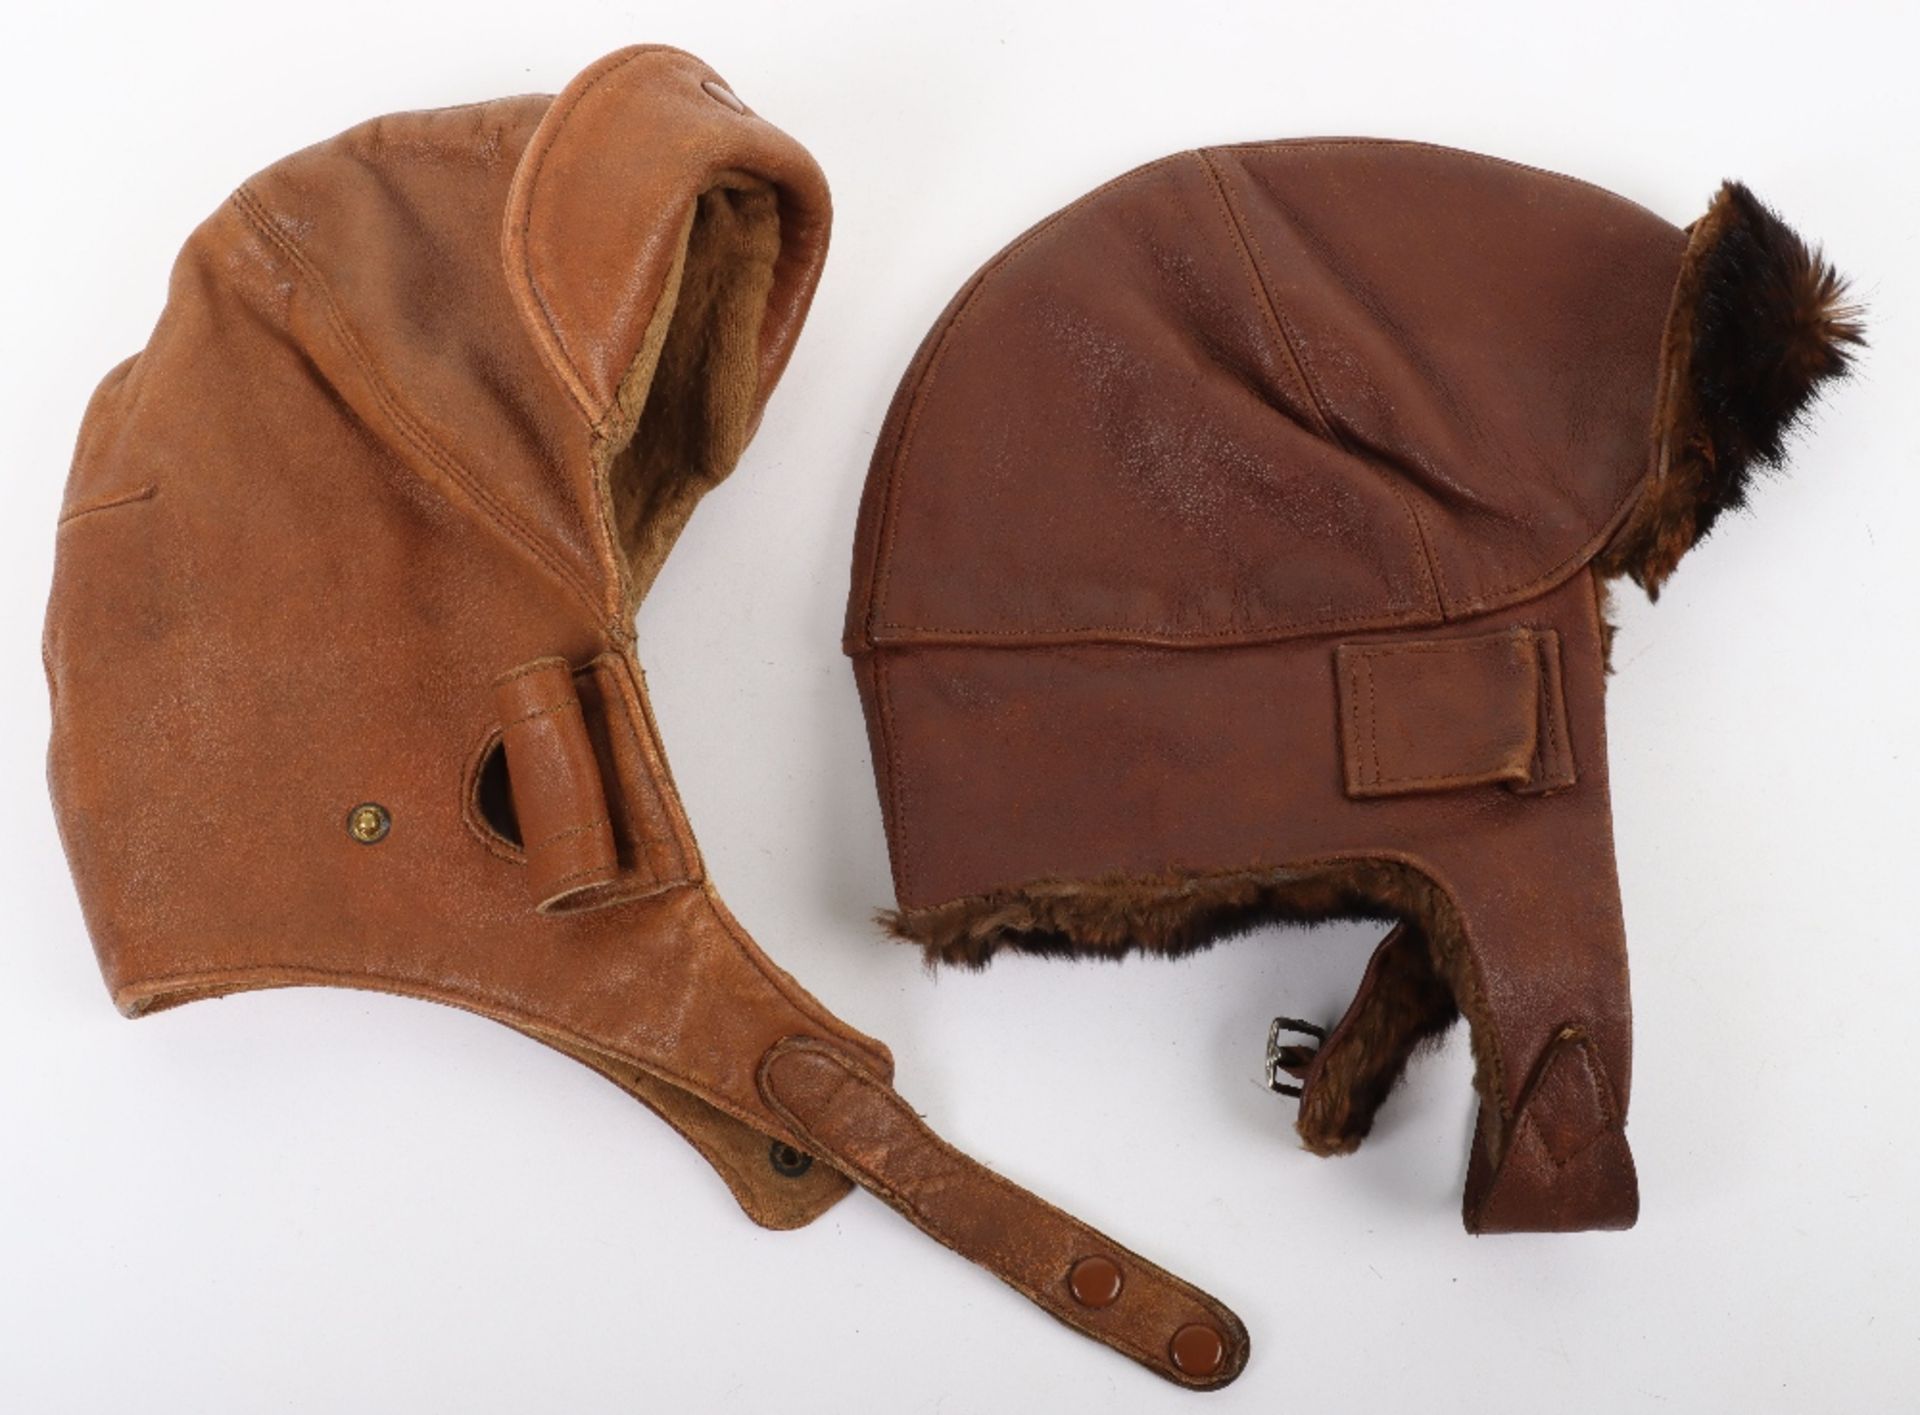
x,y
1403,1003
1758,322
1179,913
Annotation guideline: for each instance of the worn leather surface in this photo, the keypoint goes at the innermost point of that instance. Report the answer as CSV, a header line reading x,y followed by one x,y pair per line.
x,y
363,526
1268,392
1236,522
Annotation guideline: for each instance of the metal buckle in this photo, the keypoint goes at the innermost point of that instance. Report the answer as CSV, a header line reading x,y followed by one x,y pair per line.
x,y
1291,1059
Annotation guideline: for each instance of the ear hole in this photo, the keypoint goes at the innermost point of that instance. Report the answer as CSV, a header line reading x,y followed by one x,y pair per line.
x,y
493,794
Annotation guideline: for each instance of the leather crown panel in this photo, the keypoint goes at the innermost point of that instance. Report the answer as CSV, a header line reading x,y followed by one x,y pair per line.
x,y
1308,386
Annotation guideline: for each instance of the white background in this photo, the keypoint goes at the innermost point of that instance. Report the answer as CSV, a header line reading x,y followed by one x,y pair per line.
x,y
328,1201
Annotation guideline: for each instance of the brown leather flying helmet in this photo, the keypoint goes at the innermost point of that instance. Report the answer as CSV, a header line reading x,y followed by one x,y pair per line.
x,y
1236,550
341,637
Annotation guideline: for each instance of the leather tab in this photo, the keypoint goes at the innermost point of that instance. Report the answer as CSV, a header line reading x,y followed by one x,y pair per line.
x,y
1443,714
1565,1165
557,794
857,1123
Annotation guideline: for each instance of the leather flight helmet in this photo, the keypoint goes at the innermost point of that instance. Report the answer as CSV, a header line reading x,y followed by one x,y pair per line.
x,y
341,639
1236,550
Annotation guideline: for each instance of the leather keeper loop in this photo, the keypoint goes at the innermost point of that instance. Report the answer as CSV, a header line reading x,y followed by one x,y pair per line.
x,y
1444,714
558,796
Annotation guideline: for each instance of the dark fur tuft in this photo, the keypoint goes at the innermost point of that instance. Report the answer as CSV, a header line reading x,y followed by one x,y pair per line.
x,y
1759,322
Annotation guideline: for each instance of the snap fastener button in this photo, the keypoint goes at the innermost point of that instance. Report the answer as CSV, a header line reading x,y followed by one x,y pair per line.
x,y
369,823
722,95
1095,1282
1197,1350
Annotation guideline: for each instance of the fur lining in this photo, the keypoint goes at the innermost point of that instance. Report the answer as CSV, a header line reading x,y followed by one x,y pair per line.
x,y
1758,322
1411,996
1403,1003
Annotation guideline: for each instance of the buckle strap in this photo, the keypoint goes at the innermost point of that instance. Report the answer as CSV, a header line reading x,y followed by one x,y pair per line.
x,y
859,1124
1292,1059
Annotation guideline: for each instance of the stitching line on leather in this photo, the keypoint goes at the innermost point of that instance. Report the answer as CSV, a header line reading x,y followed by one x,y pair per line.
x,y
897,467
1476,646
546,711
569,833
1436,586
256,217
1497,598
872,1178
896,779
685,863
274,975
573,381
1282,335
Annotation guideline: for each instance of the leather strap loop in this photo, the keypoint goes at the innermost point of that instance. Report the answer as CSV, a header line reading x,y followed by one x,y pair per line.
x,y
860,1125
558,797
1443,714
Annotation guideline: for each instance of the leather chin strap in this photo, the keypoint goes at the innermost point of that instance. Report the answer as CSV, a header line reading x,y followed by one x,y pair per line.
x,y
702,1028
1556,1161
1511,916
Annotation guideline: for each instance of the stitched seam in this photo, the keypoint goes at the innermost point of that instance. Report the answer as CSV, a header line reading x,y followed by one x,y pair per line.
x,y
1436,587
1283,336
1477,647
145,493
573,381
414,433
570,832
547,711
782,982
895,778
539,665
1500,597
1357,741
1373,718
527,1023
896,470
1551,761
1175,640
1497,598
684,863
1315,144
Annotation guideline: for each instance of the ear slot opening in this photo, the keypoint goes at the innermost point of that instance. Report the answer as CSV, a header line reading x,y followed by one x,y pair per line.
x,y
687,406
493,794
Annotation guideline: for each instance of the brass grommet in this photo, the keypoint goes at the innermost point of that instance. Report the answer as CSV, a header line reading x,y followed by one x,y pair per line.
x,y
789,1160
369,822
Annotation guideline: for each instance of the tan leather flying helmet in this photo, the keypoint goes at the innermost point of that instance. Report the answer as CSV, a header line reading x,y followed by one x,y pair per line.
x,y
341,636
1236,550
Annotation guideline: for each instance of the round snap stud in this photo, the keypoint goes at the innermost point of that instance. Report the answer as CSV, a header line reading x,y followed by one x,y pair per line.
x,y
722,95
1197,1350
788,1160
369,823
1095,1282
